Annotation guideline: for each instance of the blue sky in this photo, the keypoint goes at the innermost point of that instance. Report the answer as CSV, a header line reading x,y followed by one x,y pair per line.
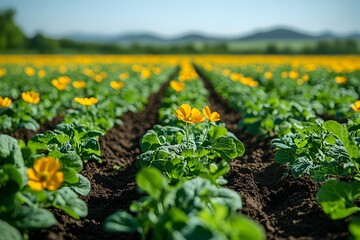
x,y
175,17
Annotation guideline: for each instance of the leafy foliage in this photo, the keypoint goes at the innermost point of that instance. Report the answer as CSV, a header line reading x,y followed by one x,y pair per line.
x,y
191,210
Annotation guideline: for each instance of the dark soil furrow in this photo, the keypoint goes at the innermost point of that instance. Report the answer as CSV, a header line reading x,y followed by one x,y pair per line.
x,y
25,134
285,206
111,189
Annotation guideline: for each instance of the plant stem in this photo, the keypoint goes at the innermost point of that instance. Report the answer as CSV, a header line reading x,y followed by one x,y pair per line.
x,y
206,132
187,133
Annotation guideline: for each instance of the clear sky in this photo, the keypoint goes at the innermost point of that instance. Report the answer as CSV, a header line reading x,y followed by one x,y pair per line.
x,y
175,17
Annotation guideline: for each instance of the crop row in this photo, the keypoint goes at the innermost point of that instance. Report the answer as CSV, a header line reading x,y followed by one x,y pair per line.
x,y
291,104
183,163
45,172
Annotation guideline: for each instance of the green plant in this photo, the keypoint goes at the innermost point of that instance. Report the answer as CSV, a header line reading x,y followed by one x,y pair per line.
x,y
196,209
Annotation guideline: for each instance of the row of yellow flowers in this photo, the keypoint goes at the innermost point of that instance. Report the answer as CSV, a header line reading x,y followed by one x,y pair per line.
x,y
34,98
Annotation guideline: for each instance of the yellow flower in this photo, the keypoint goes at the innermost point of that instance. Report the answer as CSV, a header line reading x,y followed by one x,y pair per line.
x,y
116,85
31,97
284,74
293,74
62,69
356,106
145,73
64,80
136,68
86,101
226,72
59,86
5,102
123,76
41,74
45,174
156,70
177,86
190,115
211,116
268,75
305,77
340,80
2,72
30,71
98,78
79,84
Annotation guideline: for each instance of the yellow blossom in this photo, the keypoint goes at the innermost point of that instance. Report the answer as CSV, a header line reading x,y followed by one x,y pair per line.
x,y
79,84
145,73
64,80
45,174
2,72
226,72
86,101
293,74
136,68
156,70
305,77
189,115
116,85
31,97
340,80
59,86
211,116
177,86
123,76
5,102
356,106
30,71
268,75
41,74
62,69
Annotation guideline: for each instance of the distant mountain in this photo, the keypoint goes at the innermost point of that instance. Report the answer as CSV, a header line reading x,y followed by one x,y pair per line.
x,y
147,38
277,34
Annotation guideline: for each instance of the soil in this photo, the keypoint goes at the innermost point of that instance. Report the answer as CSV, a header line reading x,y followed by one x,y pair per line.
x,y
25,134
111,189
284,205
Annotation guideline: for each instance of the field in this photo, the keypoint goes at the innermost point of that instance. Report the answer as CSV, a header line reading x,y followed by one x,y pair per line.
x,y
179,147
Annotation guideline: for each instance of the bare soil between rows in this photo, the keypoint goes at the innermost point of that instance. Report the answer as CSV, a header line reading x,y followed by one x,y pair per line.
x,y
284,205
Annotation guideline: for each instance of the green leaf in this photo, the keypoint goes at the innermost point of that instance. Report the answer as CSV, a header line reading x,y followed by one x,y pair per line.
x,y
240,148
225,147
10,184
338,198
83,187
285,156
121,221
40,141
33,218
301,165
8,232
92,144
216,132
71,161
10,151
149,141
341,132
92,134
70,175
67,201
354,227
247,229
151,181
